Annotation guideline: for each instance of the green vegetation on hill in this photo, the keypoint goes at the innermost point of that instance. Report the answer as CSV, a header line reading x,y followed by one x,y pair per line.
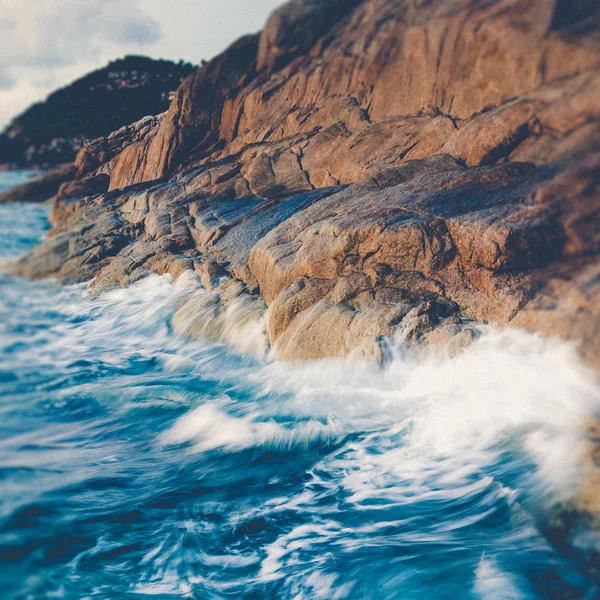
x,y
122,92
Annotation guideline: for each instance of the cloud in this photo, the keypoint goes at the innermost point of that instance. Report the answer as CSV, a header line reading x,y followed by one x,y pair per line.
x,y
54,33
40,39
7,81
132,27
45,44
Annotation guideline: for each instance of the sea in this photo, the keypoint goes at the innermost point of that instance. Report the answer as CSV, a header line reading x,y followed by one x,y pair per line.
x,y
135,464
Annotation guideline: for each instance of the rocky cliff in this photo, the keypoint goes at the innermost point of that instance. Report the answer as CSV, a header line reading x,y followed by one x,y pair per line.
x,y
362,168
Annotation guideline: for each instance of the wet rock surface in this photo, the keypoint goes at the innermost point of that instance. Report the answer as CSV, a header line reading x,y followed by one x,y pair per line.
x,y
341,268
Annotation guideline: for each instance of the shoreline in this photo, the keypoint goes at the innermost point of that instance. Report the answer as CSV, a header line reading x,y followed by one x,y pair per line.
x,y
329,327
321,304
470,432
562,520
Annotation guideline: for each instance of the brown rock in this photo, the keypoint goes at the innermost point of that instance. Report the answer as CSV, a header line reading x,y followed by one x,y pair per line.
x,y
88,186
101,151
393,79
370,169
367,169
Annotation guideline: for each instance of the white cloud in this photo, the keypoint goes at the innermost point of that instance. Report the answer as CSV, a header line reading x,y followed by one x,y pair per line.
x,y
7,81
45,44
42,40
54,33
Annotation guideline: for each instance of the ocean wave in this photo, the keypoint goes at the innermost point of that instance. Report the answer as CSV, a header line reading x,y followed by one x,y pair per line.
x,y
181,467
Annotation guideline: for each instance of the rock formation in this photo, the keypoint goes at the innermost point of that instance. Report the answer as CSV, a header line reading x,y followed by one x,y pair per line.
x,y
97,156
42,188
364,168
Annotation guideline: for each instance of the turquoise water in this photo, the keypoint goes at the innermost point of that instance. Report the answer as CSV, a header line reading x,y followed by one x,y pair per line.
x,y
134,464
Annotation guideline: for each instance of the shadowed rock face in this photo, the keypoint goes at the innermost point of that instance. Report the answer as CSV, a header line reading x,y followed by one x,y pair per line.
x,y
296,27
365,167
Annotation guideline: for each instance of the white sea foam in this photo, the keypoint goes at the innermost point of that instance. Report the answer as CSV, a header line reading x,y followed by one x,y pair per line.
x,y
508,387
413,430
209,427
491,583
284,549
244,327
414,468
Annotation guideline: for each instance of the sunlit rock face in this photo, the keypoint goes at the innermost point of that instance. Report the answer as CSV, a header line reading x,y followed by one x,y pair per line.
x,y
369,85
364,168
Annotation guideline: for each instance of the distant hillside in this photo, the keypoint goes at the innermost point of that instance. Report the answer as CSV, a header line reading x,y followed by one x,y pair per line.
x,y
122,92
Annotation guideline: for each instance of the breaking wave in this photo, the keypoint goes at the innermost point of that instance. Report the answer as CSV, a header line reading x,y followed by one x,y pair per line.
x,y
136,463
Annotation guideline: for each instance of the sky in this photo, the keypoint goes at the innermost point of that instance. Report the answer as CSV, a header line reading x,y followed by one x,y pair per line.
x,y
45,44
